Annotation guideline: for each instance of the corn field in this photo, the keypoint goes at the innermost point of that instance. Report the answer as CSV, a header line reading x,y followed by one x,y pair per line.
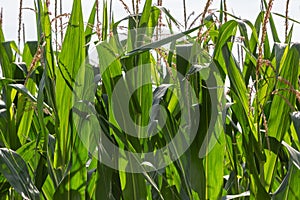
x,y
135,109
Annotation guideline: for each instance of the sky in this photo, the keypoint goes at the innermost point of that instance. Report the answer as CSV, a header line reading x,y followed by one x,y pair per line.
x,y
241,8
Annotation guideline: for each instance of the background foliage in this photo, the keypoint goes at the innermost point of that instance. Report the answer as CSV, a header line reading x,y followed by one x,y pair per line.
x,y
256,155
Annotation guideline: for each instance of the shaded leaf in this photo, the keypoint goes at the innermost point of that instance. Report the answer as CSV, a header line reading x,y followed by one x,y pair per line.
x,y
295,155
13,167
296,120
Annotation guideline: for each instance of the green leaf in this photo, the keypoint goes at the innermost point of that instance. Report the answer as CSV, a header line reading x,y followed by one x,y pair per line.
x,y
89,27
105,25
289,188
168,14
214,164
108,183
44,33
21,88
278,126
25,109
295,155
73,185
135,187
27,151
71,58
296,120
48,188
13,167
160,43
145,14
274,29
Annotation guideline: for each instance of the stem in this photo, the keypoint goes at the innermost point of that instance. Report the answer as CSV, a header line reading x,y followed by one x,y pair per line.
x,y
184,15
61,22
1,17
133,7
20,23
55,24
110,12
98,21
137,6
259,64
225,9
158,33
23,33
286,19
208,3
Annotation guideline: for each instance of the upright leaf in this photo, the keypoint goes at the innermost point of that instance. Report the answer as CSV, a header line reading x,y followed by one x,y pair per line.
x,y
70,59
278,126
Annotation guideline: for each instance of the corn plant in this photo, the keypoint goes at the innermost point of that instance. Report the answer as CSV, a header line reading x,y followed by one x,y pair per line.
x,y
118,112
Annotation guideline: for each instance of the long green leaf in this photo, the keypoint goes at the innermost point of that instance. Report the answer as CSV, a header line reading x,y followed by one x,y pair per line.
x,y
15,170
72,56
278,126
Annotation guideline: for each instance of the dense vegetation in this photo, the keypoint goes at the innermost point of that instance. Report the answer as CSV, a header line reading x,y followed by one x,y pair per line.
x,y
228,88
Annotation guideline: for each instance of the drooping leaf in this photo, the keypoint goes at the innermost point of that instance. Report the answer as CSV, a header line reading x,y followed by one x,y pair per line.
x,y
21,88
288,188
15,170
295,155
160,43
296,120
